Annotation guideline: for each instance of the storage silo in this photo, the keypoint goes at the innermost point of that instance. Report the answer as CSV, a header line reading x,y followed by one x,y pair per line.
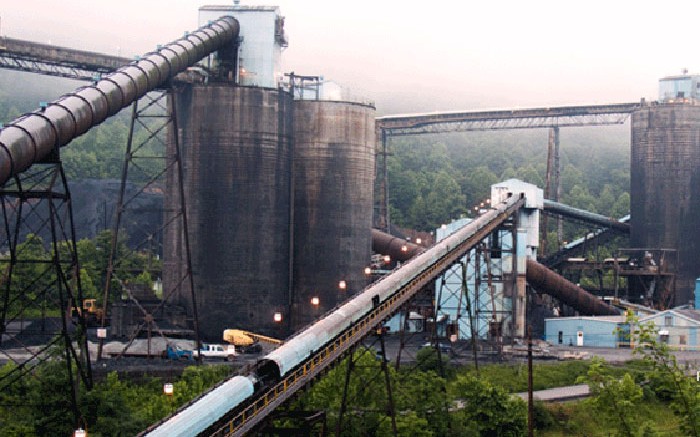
x,y
665,187
333,192
235,144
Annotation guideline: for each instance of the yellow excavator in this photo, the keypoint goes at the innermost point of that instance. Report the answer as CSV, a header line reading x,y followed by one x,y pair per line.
x,y
248,342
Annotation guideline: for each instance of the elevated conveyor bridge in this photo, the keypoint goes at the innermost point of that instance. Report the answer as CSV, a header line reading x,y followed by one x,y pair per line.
x,y
51,60
306,355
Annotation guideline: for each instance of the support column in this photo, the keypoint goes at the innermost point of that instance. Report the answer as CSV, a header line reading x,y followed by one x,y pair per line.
x,y
41,276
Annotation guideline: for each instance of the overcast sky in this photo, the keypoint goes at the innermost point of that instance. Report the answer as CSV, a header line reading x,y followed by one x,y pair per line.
x,y
420,56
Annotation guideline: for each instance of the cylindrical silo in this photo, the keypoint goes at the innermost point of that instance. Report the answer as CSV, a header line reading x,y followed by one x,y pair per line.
x,y
333,195
665,187
236,152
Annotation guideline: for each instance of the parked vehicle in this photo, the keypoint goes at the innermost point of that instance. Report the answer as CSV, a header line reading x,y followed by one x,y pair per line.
x,y
174,352
444,347
247,342
224,352
91,311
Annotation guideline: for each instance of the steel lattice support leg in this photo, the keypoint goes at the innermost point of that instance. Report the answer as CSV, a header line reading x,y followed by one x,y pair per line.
x,y
42,278
352,368
156,116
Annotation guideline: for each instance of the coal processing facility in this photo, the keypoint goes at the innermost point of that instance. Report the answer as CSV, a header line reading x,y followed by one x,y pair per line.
x,y
278,182
279,172
279,178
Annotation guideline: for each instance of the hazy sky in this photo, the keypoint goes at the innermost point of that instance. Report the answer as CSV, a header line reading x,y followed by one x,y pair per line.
x,y
420,56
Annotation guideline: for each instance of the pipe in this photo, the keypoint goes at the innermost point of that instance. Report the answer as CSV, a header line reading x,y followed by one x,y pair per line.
x,y
549,282
587,216
32,137
387,244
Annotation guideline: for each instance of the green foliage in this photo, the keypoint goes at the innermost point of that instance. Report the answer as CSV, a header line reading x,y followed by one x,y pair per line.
x,y
616,400
436,178
488,410
427,360
422,393
513,378
418,397
39,404
542,416
34,291
666,377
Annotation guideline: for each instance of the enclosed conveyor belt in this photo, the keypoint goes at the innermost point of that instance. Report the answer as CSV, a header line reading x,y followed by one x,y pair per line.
x,y
31,137
587,216
17,54
549,282
247,399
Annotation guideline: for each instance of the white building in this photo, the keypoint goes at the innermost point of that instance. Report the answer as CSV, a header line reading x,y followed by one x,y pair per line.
x,y
261,40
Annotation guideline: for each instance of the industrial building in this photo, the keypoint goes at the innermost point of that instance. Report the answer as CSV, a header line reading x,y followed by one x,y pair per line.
x,y
279,190
676,328
584,331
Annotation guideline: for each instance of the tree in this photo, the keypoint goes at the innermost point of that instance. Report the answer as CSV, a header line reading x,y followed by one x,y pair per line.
x,y
616,400
487,410
666,376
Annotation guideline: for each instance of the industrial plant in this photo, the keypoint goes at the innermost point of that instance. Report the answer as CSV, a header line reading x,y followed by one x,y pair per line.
x,y
276,220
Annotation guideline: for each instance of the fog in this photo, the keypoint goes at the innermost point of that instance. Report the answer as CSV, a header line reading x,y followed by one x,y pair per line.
x,y
419,57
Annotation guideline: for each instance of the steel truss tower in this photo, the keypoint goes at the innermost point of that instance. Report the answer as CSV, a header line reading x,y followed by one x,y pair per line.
x,y
42,292
153,136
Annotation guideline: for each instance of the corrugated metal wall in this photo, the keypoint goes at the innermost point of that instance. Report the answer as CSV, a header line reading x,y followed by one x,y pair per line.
x,y
665,187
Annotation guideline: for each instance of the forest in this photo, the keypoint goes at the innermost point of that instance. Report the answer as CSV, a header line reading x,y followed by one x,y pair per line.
x,y
435,178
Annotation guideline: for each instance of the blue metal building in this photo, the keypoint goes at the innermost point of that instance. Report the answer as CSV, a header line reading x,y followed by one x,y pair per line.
x,y
583,331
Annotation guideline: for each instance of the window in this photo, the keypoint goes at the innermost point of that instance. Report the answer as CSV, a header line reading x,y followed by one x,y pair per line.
x,y
668,321
561,337
681,340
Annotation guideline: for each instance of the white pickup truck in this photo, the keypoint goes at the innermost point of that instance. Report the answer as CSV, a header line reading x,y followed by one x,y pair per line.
x,y
224,352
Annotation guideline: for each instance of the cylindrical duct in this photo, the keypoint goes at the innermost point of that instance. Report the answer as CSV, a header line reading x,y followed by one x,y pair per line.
x,y
397,248
586,216
333,197
665,188
549,282
31,137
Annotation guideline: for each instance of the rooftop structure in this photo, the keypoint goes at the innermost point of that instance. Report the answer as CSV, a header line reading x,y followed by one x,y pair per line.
x,y
679,89
260,45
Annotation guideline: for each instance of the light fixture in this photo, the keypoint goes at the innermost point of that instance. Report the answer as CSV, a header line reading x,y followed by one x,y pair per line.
x,y
80,432
315,301
418,241
387,259
168,388
277,317
368,271
342,285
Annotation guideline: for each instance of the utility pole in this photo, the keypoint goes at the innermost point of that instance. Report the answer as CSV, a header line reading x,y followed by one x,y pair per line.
x,y
530,405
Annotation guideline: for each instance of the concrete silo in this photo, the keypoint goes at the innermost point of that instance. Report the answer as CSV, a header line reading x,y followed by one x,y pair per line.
x,y
665,187
236,150
333,192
